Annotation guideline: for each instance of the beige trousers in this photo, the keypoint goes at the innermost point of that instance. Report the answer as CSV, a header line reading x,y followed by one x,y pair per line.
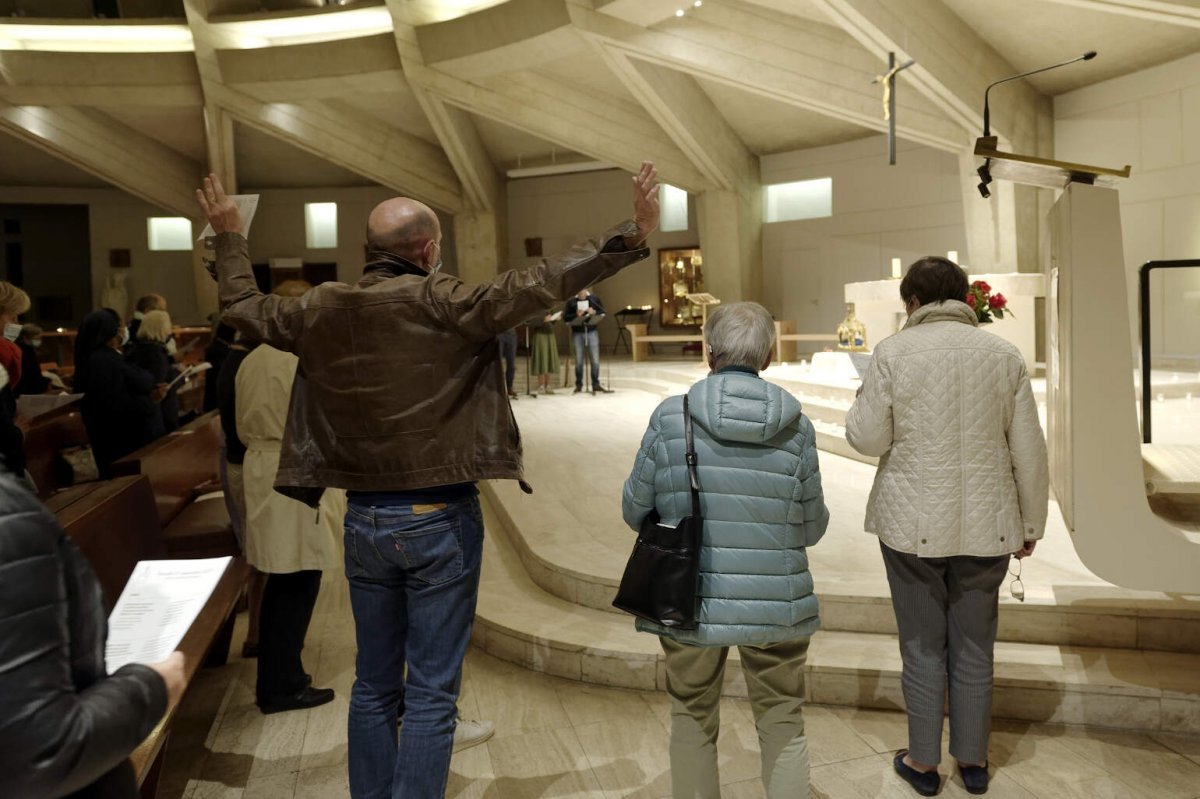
x,y
775,681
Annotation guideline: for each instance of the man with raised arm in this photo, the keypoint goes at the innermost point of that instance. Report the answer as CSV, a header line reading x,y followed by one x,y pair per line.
x,y
400,400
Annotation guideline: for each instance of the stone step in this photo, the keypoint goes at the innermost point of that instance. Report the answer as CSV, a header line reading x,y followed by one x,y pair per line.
x,y
587,572
519,622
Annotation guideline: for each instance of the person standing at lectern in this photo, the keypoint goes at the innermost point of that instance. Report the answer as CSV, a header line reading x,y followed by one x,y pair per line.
x,y
583,314
399,398
962,485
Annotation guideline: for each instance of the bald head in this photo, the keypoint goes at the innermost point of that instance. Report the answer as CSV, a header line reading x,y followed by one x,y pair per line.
x,y
406,228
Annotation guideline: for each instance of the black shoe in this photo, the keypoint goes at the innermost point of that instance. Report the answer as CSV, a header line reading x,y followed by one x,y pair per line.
x,y
307,697
578,389
975,778
925,783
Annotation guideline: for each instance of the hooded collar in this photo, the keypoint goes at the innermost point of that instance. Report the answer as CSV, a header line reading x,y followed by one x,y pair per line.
x,y
948,311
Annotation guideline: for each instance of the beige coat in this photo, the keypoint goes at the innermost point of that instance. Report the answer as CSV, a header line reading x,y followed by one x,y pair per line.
x,y
282,535
949,410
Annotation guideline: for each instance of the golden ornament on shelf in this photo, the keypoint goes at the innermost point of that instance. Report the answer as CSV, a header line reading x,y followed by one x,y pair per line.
x,y
851,333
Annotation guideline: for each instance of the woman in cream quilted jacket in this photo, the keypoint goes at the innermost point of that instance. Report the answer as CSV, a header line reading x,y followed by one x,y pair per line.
x,y
962,485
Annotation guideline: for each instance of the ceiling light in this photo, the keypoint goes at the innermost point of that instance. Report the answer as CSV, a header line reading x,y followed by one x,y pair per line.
x,y
697,4
326,26
96,37
564,168
679,12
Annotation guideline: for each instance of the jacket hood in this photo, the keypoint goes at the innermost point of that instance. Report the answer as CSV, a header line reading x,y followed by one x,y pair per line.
x,y
948,311
742,407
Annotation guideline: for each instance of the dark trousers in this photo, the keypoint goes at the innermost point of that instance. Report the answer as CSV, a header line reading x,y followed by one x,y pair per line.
x,y
508,351
287,608
946,613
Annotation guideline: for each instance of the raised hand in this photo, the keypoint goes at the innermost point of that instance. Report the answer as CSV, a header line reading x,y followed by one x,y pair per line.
x,y
645,203
220,209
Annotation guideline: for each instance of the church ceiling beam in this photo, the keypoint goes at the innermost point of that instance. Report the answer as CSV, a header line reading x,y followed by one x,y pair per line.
x,y
1183,15
113,152
789,61
607,128
330,129
689,117
954,65
482,184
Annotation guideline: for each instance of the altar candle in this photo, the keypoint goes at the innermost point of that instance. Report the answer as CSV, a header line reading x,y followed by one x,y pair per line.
x,y
895,267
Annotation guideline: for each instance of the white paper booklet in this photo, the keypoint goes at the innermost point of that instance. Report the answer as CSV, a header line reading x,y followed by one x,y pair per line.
x,y
862,362
157,607
247,204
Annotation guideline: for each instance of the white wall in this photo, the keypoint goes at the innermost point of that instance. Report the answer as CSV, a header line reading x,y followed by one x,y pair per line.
x,y
1150,120
880,212
564,209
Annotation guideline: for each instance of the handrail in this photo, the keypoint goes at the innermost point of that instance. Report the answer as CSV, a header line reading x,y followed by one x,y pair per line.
x,y
1144,311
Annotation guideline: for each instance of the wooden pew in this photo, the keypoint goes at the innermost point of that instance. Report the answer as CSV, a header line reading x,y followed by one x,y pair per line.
x,y
115,524
642,341
184,473
45,437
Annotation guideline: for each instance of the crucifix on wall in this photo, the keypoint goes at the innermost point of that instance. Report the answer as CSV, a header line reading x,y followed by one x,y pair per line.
x,y
888,79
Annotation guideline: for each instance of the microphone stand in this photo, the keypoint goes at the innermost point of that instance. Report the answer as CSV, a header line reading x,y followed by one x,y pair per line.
x,y
984,171
528,366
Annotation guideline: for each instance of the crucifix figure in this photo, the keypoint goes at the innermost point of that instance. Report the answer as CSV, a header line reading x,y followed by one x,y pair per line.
x,y
888,79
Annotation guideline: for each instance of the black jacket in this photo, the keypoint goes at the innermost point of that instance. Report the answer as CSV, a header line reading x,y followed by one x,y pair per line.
x,y
32,381
571,309
66,728
118,412
154,358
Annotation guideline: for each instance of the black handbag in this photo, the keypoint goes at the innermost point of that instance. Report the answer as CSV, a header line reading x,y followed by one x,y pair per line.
x,y
662,579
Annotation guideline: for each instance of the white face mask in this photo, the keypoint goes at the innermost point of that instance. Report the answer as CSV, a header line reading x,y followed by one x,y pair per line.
x,y
171,348
12,331
37,343
124,336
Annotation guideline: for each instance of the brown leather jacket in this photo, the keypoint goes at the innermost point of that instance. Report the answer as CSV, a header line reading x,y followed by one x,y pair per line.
x,y
399,385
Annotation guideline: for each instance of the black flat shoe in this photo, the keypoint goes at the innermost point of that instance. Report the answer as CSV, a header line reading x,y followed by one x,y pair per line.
x,y
304,699
925,783
975,778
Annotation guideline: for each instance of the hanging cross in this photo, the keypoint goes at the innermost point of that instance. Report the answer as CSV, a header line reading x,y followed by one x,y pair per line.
x,y
888,79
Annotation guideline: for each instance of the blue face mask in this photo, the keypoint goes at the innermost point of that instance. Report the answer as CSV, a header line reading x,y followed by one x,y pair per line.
x,y
37,343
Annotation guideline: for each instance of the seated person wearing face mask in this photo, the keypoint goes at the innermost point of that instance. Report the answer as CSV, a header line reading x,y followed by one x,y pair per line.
x,y
120,400
32,380
13,303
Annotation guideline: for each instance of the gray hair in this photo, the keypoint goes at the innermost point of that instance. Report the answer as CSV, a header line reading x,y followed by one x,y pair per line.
x,y
740,334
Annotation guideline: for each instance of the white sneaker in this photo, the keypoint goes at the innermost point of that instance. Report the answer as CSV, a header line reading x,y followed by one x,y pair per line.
x,y
470,732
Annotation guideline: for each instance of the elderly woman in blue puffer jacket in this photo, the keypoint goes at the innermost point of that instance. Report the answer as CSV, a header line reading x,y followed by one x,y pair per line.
x,y
761,499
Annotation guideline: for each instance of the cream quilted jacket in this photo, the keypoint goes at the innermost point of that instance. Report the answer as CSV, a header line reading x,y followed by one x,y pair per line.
x,y
949,410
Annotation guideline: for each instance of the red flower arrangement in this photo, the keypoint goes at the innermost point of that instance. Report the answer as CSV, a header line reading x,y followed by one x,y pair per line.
x,y
985,303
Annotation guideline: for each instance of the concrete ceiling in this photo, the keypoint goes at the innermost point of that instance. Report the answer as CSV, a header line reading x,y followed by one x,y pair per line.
x,y
1036,33
22,164
462,90
265,162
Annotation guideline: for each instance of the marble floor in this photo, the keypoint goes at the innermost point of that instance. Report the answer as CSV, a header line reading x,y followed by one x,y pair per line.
x,y
559,738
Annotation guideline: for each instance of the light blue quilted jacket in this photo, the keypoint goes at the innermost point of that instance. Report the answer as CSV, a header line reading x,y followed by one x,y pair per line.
x,y
760,495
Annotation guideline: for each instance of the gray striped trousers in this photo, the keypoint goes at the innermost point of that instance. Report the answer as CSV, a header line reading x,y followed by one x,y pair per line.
x,y
946,612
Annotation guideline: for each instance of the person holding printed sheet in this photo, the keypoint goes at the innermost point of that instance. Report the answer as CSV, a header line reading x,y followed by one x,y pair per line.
x,y
583,314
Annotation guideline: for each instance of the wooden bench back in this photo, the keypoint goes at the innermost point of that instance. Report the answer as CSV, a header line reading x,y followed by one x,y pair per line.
x,y
115,524
45,438
177,464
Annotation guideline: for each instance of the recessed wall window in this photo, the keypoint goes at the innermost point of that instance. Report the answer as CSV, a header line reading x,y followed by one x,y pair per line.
x,y
673,204
169,233
320,225
804,199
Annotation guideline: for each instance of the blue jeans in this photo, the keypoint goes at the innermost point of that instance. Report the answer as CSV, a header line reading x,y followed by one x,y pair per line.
x,y
588,339
414,578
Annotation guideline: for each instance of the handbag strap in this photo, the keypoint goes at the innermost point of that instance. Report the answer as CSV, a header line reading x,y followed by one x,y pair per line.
x,y
693,480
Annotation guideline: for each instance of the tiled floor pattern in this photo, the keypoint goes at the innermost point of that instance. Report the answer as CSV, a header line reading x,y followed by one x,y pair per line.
x,y
558,738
